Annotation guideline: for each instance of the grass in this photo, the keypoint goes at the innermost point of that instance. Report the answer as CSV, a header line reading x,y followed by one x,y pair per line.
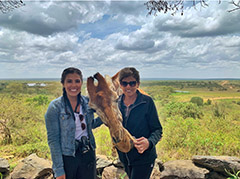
x,y
217,132
234,175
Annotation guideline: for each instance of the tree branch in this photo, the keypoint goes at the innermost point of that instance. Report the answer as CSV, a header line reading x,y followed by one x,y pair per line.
x,y
9,5
173,6
237,5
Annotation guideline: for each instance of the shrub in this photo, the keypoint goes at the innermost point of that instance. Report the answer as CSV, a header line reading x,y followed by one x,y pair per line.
x,y
39,100
197,100
209,102
21,123
184,110
177,132
219,110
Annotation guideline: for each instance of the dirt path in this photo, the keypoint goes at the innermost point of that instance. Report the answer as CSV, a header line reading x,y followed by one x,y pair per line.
x,y
224,82
216,98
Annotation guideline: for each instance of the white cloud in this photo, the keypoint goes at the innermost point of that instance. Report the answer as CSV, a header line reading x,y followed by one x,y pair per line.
x,y
42,39
46,18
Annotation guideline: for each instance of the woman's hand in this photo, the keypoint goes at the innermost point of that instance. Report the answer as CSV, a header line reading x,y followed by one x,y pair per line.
x,y
61,177
141,144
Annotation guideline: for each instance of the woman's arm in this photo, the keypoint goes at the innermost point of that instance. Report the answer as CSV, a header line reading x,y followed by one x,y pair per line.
x,y
54,142
96,122
154,124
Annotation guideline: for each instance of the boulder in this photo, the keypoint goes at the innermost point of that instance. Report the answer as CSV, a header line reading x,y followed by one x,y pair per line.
x,y
155,172
102,162
112,172
218,163
32,167
182,169
215,175
4,166
118,163
159,163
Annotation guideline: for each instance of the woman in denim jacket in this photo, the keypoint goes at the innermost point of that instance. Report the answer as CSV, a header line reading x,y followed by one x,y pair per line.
x,y
69,123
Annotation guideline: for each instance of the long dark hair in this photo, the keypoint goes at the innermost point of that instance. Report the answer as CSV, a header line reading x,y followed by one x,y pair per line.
x,y
70,70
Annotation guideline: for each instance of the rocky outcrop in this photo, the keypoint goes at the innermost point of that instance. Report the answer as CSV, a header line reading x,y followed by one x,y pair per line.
x,y
218,163
183,169
32,167
200,167
4,166
102,162
113,172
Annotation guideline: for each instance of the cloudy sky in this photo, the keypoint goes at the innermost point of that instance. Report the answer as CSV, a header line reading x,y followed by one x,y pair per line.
x,y
40,39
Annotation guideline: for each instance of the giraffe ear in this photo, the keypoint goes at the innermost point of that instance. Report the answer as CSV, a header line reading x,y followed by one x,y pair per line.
x,y
115,77
115,81
116,84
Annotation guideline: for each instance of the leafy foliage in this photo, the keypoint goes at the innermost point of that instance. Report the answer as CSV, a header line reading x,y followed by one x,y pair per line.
x,y
183,110
209,102
21,124
197,100
39,100
103,141
234,175
219,110
188,129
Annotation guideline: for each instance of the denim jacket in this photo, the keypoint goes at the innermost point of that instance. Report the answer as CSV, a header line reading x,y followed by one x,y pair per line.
x,y
60,124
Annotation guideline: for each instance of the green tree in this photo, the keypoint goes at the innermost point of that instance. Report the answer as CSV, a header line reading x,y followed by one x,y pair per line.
x,y
209,102
197,100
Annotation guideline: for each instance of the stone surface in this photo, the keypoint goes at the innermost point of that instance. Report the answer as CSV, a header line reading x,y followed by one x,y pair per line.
x,y
159,163
182,169
4,166
118,163
102,162
218,163
32,167
215,175
155,172
203,167
112,172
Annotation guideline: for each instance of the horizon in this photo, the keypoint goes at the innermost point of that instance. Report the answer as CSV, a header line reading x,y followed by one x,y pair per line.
x,y
141,79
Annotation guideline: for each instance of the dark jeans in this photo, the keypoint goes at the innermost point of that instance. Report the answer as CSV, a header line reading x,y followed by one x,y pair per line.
x,y
82,166
139,171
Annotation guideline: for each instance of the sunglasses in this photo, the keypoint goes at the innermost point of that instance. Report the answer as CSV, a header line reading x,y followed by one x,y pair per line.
x,y
131,83
83,125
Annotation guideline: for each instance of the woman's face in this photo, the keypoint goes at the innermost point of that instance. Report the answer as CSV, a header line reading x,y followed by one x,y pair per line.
x,y
129,86
72,84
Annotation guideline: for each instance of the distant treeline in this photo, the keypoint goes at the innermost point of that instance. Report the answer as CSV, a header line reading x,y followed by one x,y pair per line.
x,y
211,85
19,86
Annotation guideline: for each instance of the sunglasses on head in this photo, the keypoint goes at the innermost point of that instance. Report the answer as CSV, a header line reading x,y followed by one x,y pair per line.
x,y
131,83
83,125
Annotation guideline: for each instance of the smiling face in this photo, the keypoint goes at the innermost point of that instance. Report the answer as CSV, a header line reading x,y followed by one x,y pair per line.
x,y
129,86
72,85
